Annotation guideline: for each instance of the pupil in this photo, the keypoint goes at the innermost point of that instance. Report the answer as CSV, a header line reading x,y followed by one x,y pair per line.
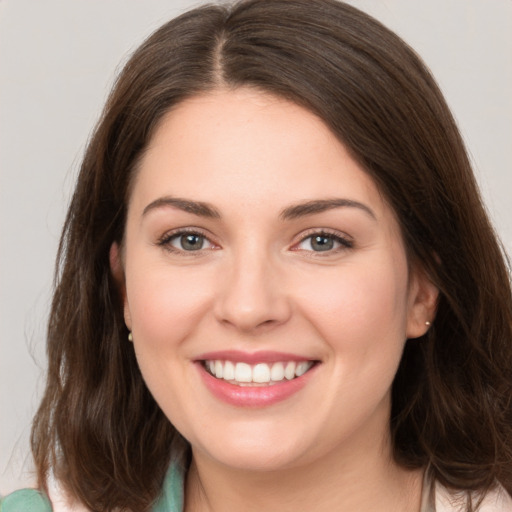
x,y
191,242
322,243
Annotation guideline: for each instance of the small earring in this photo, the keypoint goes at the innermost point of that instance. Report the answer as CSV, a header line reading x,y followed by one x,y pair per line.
x,y
130,336
427,323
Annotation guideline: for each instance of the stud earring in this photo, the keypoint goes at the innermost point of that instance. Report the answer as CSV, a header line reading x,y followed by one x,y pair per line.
x,y
130,336
427,323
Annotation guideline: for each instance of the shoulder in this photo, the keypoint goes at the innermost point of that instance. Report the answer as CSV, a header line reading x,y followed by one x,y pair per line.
x,y
25,500
497,500
33,500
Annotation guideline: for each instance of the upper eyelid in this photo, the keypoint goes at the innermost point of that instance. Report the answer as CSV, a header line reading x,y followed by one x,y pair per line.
x,y
185,230
345,241
165,241
303,235
324,231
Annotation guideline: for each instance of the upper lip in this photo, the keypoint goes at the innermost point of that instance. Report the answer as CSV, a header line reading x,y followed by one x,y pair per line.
x,y
264,356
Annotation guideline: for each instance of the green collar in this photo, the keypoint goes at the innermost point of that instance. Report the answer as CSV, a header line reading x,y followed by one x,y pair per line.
x,y
171,499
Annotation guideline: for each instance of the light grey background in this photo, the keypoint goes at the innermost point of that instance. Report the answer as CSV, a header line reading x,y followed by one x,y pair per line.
x,y
57,61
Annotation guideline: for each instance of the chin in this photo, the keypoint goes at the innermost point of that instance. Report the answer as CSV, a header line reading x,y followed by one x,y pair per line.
x,y
270,452
256,461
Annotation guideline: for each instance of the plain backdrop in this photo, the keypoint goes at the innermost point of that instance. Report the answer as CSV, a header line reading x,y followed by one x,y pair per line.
x,y
58,59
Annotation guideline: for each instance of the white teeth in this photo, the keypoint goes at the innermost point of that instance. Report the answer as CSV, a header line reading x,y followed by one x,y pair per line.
x,y
243,372
218,369
302,368
261,373
277,372
229,371
289,371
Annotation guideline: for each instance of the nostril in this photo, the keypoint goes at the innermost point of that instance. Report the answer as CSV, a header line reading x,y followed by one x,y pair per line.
x,y
250,297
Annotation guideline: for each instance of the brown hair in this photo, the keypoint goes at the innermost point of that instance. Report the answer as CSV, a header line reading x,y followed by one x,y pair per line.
x,y
99,429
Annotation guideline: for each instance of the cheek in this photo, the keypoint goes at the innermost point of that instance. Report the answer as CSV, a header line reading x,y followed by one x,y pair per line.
x,y
360,314
166,303
357,307
166,306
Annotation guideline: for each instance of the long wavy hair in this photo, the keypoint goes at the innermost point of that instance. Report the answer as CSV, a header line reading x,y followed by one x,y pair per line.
x,y
99,430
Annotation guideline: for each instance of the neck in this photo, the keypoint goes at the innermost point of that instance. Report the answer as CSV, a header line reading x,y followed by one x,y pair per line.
x,y
348,481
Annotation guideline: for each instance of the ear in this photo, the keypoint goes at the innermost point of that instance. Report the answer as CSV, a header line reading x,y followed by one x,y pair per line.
x,y
117,269
423,296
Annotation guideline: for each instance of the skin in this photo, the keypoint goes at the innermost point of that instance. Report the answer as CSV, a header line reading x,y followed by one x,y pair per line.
x,y
257,284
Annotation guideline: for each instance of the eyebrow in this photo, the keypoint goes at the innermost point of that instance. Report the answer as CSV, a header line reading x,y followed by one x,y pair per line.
x,y
322,205
195,207
304,209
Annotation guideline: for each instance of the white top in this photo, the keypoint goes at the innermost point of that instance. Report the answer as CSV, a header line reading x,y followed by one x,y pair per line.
x,y
438,498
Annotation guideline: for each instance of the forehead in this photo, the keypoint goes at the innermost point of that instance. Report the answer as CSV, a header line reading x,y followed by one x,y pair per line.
x,y
249,146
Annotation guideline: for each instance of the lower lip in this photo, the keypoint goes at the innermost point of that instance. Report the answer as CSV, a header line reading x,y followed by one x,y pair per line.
x,y
253,396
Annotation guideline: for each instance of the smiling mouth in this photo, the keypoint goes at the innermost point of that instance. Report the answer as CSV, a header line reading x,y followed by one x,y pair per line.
x,y
260,374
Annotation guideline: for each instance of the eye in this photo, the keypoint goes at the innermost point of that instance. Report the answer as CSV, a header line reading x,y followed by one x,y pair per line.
x,y
188,242
185,241
324,242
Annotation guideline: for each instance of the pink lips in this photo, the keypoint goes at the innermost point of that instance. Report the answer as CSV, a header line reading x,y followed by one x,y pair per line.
x,y
252,396
251,358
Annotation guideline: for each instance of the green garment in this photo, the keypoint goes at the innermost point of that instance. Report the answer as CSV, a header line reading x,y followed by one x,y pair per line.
x,y
25,500
31,500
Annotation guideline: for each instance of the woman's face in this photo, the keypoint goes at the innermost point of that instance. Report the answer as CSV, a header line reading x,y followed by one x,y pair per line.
x,y
266,284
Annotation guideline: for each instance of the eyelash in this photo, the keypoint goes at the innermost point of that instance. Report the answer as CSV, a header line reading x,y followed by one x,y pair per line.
x,y
343,241
167,238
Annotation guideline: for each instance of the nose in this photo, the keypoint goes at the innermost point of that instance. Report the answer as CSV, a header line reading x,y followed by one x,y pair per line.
x,y
252,296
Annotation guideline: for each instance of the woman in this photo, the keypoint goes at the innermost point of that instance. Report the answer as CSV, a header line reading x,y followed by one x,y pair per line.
x,y
278,287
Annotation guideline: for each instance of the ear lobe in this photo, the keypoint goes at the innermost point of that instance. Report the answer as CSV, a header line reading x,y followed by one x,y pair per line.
x,y
116,267
423,296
